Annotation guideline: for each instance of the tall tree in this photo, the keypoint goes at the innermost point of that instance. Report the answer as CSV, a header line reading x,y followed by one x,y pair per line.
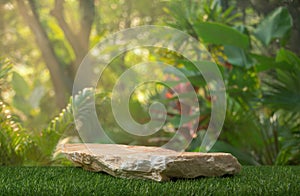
x,y
61,78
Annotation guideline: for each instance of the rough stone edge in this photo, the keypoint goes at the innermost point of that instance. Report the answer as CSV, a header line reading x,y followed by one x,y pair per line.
x,y
156,175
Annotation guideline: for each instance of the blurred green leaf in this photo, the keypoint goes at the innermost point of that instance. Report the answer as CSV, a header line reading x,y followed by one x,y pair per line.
x,y
283,89
21,104
275,25
264,63
237,56
288,57
217,33
19,85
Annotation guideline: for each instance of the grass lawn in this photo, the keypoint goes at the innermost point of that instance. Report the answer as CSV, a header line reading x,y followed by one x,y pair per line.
x,y
265,180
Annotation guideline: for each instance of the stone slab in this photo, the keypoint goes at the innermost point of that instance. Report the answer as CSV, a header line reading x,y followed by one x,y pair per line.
x,y
153,163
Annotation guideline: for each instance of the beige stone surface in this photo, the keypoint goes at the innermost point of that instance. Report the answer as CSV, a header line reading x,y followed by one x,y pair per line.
x,y
154,163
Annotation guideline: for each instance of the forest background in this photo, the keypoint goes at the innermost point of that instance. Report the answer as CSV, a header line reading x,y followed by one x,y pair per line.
x,y
254,43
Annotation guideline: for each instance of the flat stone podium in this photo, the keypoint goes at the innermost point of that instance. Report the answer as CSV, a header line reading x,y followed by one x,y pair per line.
x,y
153,163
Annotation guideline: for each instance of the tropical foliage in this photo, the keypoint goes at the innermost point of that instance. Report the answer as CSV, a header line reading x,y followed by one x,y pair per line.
x,y
255,45
260,87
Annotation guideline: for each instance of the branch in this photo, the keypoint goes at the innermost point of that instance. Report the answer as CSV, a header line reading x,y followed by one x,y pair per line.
x,y
87,15
57,13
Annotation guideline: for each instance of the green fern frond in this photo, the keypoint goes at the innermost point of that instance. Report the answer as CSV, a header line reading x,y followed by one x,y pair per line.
x,y
62,126
50,136
15,142
5,67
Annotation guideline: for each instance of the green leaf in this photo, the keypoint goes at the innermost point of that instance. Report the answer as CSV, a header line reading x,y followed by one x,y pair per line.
x,y
19,85
237,56
217,33
284,59
283,92
275,25
287,56
21,104
264,63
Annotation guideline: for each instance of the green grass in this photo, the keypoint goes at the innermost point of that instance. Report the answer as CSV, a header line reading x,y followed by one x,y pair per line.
x,y
69,181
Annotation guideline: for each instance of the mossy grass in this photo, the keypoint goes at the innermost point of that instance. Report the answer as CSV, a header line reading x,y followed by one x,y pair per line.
x,y
264,180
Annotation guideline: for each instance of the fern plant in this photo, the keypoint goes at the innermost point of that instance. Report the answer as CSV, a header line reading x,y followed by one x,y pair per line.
x,y
15,142
49,137
11,138
61,130
19,146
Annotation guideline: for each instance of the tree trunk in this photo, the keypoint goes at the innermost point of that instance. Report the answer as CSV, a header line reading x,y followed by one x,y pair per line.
x,y
52,62
79,41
